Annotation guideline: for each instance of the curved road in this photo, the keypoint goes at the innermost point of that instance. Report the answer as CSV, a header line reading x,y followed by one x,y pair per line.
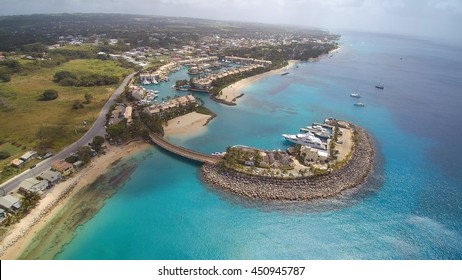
x,y
96,129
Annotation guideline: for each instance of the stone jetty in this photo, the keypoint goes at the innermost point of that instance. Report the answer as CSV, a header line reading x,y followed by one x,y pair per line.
x,y
351,175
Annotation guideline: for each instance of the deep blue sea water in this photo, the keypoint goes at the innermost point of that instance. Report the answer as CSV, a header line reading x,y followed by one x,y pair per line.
x,y
410,208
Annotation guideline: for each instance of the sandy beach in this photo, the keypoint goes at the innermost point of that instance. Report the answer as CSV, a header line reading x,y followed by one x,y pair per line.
x,y
191,123
22,233
231,92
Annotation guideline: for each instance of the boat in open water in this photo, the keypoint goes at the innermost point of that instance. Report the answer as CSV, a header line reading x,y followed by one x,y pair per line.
x,y
359,104
355,94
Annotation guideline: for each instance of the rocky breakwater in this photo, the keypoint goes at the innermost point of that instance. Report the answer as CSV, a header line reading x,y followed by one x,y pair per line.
x,y
350,175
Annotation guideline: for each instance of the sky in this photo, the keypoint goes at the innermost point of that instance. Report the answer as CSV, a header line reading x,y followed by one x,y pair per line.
x,y
427,18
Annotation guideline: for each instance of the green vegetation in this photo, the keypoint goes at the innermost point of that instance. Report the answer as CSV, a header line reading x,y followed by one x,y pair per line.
x,y
49,126
66,78
221,83
278,54
97,143
29,202
4,155
49,94
84,154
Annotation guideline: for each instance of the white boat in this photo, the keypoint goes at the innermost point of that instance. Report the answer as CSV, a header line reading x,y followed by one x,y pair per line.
x,y
317,130
360,104
305,139
146,82
355,94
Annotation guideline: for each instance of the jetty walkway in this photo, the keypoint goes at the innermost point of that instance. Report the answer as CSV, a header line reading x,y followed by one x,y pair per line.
x,y
186,153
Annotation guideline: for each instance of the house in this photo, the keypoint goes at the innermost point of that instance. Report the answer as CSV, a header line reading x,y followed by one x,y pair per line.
x,y
17,163
63,167
10,203
138,93
128,114
78,164
29,155
33,185
51,176
2,215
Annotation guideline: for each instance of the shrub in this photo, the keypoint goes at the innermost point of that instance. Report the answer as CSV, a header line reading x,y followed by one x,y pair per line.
x,y
5,78
77,104
4,155
61,75
49,94
88,98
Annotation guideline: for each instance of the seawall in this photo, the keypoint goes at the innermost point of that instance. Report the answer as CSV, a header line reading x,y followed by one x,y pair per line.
x,y
351,175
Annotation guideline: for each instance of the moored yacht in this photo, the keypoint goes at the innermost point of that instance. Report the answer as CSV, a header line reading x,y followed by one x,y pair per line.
x,y
305,139
355,94
317,130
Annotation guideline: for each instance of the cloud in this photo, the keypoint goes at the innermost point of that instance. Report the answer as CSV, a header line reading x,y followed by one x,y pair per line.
x,y
449,6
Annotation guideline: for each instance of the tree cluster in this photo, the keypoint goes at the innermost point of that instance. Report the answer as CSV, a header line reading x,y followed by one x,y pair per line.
x,y
66,78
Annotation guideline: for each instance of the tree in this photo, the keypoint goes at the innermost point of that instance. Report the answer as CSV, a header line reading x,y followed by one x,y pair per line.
x,y
49,94
5,77
77,104
88,98
61,75
4,155
84,154
97,143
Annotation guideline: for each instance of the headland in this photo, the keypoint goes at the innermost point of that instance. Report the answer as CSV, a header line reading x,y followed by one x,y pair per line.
x,y
328,184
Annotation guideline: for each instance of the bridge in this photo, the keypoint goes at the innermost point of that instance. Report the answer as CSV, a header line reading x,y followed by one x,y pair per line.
x,y
186,153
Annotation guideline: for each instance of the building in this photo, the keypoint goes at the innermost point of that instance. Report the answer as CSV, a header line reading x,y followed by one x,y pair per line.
x,y
51,176
77,164
33,185
176,102
128,114
137,92
63,167
2,215
29,155
18,163
10,203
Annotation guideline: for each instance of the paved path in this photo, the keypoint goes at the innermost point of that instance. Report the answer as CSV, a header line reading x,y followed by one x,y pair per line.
x,y
197,156
96,129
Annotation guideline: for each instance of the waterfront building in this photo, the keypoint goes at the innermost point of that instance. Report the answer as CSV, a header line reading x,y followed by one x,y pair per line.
x,y
32,185
63,167
10,203
51,176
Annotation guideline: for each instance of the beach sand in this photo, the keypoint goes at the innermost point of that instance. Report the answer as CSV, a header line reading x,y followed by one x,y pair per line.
x,y
23,233
231,92
192,123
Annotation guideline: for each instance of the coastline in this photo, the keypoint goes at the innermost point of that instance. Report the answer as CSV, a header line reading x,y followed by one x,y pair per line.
x,y
232,92
191,123
351,175
23,233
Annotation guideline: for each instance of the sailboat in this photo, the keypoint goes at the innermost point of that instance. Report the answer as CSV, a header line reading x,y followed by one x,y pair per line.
x,y
379,86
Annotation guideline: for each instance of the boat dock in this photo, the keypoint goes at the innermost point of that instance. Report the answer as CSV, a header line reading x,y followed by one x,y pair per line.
x,y
183,152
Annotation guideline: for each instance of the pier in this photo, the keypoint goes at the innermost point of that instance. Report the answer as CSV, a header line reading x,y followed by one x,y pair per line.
x,y
183,152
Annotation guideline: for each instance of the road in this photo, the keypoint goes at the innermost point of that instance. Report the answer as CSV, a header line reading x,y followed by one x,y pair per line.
x,y
96,129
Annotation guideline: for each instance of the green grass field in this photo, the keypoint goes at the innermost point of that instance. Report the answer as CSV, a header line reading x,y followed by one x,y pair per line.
x,y
22,115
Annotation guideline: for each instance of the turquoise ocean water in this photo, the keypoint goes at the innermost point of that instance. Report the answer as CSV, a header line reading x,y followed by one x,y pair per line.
x,y
410,208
